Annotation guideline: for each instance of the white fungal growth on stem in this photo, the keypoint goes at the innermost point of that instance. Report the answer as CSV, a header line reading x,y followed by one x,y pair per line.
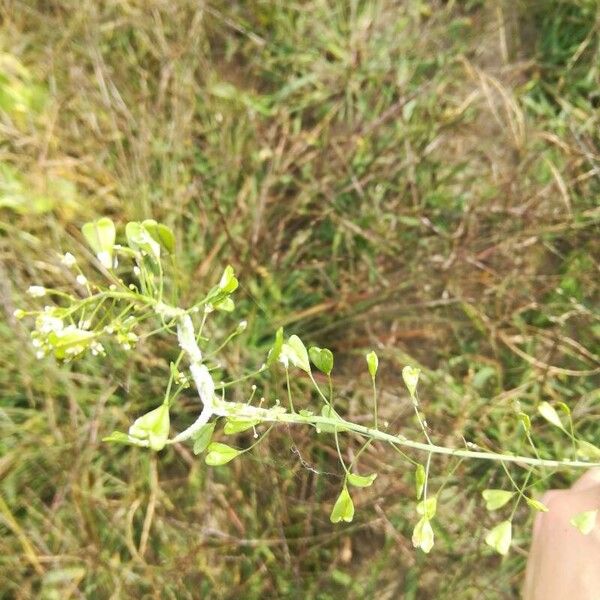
x,y
200,374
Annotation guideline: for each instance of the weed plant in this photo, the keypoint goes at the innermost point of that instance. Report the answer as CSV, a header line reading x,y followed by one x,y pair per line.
x,y
415,178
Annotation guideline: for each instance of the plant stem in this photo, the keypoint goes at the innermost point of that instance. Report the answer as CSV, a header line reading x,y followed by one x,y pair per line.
x,y
219,407
202,378
277,414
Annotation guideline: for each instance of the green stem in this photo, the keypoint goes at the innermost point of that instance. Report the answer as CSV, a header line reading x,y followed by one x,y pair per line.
x,y
375,403
426,484
318,389
339,451
228,384
242,411
289,391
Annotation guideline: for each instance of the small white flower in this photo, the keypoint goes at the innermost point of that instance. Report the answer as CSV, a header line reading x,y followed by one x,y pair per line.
x,y
74,350
46,324
181,379
105,259
136,271
96,348
40,354
36,291
68,260
19,313
81,279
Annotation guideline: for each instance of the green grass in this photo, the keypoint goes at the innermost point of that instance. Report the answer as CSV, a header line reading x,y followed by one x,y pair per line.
x,y
416,177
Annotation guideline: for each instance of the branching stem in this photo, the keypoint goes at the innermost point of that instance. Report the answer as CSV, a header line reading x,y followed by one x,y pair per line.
x,y
277,414
212,405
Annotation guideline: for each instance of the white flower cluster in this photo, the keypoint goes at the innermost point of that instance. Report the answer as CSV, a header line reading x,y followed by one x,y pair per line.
x,y
123,333
45,324
183,380
51,336
127,339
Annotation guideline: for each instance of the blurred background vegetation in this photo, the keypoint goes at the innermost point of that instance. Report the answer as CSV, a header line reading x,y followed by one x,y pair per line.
x,y
418,177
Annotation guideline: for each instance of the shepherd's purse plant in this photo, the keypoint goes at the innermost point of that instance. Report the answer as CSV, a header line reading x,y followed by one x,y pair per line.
x,y
130,287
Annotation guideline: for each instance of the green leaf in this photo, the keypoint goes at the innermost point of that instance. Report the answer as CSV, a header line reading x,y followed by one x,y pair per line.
x,y
525,421
234,425
100,235
140,240
500,537
276,348
228,282
322,358
202,437
585,521
427,508
372,363
297,353
411,379
549,413
419,480
70,341
536,505
226,305
422,536
220,454
118,437
161,234
361,480
495,499
587,451
343,509
153,426
329,412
